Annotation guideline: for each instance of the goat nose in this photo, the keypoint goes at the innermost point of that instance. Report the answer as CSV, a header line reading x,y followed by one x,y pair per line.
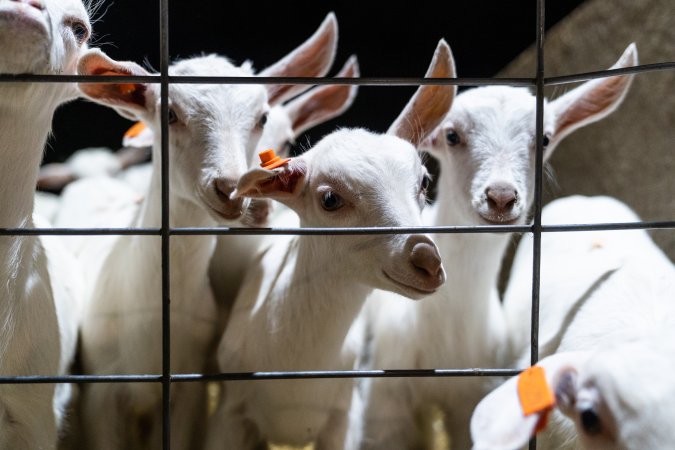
x,y
425,257
231,208
501,196
224,188
37,4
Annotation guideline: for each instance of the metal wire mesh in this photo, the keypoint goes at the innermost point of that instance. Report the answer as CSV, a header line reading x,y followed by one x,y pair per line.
x,y
166,231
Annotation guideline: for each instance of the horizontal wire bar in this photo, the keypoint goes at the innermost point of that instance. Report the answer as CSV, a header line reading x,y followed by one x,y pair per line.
x,y
314,374
551,81
79,231
610,226
188,231
255,376
352,230
80,379
362,81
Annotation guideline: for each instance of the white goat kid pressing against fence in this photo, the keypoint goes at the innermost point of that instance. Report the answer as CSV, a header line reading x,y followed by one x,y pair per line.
x,y
607,315
284,124
485,147
40,306
213,131
299,300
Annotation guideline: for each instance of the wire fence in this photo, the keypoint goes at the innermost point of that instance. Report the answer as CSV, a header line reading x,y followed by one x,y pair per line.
x,y
165,231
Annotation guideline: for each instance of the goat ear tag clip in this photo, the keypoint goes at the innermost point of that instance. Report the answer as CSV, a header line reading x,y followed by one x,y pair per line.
x,y
535,395
270,160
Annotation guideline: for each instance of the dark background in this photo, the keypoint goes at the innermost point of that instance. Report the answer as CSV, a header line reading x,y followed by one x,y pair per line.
x,y
389,38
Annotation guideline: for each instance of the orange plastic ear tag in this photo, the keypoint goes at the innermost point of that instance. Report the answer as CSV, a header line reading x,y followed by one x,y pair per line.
x,y
534,393
124,88
269,160
135,130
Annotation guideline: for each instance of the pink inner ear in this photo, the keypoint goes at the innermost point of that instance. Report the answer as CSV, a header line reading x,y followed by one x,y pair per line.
x,y
285,182
130,94
593,103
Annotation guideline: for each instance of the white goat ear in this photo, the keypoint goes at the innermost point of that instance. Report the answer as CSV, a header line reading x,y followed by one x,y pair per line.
x,y
427,108
129,99
325,102
498,422
312,58
593,100
280,184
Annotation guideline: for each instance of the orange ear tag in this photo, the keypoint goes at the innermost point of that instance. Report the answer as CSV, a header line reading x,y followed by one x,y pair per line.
x,y
535,395
135,130
269,160
127,88
124,88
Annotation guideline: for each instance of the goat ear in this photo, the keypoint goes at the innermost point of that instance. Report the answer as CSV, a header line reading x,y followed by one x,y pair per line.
x,y
325,102
427,108
139,136
129,99
593,100
55,176
283,183
498,422
312,58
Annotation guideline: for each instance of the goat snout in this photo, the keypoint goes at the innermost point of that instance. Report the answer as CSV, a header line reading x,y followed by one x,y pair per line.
x,y
230,208
37,4
501,197
424,256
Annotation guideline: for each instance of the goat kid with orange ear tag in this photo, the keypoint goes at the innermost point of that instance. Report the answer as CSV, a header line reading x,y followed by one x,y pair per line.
x,y
517,410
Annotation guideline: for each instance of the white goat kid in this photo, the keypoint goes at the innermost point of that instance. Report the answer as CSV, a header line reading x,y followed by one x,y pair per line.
x,y
298,302
213,131
485,147
606,317
40,310
284,124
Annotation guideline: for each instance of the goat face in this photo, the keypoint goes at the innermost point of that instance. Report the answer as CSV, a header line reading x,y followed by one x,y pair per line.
x,y
486,148
42,36
354,178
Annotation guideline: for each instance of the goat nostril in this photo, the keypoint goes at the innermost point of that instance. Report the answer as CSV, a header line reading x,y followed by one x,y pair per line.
x,y
224,189
501,197
425,257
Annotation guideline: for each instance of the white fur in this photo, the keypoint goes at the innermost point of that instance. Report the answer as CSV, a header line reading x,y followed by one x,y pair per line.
x,y
298,301
607,312
213,139
463,325
211,142
39,311
300,297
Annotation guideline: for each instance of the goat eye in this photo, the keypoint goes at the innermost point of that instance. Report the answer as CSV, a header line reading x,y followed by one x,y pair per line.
x,y
426,181
262,121
330,201
80,31
546,141
590,421
173,118
452,138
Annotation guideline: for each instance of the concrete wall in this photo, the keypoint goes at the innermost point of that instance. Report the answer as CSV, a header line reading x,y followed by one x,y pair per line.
x,y
631,154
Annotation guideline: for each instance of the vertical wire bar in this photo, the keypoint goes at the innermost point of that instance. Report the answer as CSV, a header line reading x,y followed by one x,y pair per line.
x,y
165,228
539,163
